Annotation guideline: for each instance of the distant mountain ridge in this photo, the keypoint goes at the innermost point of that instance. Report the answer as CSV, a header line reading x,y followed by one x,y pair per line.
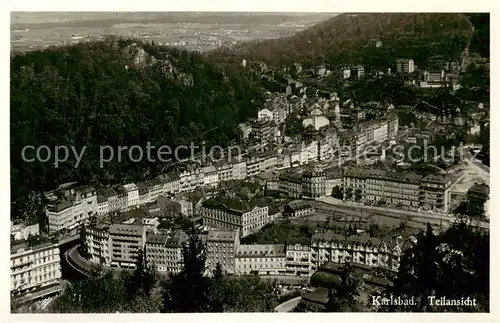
x,y
348,38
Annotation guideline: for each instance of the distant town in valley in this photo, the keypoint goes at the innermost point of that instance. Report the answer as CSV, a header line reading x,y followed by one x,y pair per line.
x,y
361,183
187,30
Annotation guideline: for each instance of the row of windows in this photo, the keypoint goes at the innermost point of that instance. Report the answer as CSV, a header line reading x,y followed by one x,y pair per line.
x,y
44,269
389,195
34,279
162,257
49,255
257,266
260,259
162,252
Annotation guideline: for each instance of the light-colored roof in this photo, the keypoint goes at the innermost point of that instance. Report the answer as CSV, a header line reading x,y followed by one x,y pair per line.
x,y
219,235
126,229
130,187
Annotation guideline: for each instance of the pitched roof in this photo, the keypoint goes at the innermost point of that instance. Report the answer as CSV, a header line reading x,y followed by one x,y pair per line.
x,y
219,235
299,205
261,250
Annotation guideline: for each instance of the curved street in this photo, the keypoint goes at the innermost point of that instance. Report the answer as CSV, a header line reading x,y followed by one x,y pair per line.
x,y
77,262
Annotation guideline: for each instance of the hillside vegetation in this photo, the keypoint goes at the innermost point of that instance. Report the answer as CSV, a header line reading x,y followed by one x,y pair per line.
x,y
350,39
118,94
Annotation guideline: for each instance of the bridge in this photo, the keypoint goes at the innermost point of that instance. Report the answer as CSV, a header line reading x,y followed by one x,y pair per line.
x,y
67,239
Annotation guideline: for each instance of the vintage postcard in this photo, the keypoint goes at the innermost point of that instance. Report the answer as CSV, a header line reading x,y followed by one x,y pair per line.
x,y
194,162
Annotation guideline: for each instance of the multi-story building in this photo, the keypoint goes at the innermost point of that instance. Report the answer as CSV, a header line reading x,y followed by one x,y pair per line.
x,y
125,241
284,160
97,242
175,207
405,65
210,176
371,132
253,166
165,251
268,161
155,189
290,184
221,249
263,260
69,208
272,183
407,190
33,268
20,231
477,196
121,201
265,114
298,260
239,170
114,201
310,151
313,183
373,252
143,192
225,172
317,122
245,128
297,209
102,204
275,108
435,193
171,183
392,125
230,214
132,195
333,178
191,179
264,130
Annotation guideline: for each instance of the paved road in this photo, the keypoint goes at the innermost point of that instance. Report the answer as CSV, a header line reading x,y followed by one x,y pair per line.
x,y
425,217
288,306
69,238
73,258
479,164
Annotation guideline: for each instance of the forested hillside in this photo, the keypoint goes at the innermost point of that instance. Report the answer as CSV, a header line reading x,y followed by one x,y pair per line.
x,y
480,42
111,93
351,39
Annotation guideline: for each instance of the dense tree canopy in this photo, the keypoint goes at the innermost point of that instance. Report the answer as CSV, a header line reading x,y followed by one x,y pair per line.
x,y
454,264
93,94
351,39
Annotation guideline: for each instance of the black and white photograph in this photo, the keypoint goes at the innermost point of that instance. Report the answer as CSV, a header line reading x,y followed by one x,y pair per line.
x,y
233,162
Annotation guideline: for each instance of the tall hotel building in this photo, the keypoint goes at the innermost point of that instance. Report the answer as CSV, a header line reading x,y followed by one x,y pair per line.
x,y
35,270
125,241
231,214
68,208
221,248
408,190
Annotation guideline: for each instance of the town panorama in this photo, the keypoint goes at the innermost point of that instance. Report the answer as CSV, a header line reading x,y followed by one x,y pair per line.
x,y
249,162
